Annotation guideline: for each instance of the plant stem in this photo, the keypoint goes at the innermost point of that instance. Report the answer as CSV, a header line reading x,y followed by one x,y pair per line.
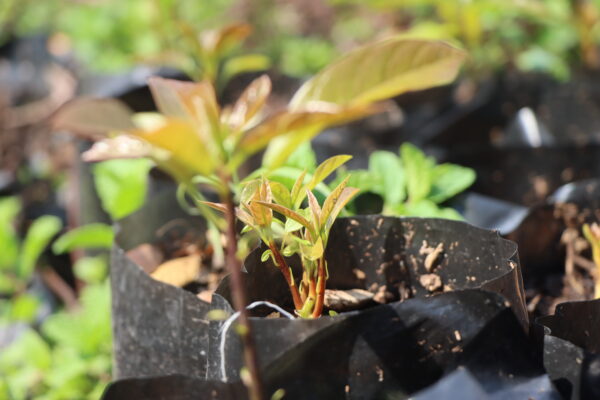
x,y
238,293
321,278
287,274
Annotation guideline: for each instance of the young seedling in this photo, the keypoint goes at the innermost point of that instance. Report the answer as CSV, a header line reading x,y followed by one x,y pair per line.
x,y
304,229
199,142
592,234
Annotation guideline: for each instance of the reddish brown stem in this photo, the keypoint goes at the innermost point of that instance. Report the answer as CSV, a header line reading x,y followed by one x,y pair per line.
x,y
238,292
285,270
320,289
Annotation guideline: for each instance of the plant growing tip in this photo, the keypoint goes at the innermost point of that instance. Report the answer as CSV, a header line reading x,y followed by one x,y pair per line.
x,y
592,234
306,231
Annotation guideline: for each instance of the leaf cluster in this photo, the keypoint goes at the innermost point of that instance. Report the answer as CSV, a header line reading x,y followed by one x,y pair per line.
x,y
411,183
293,222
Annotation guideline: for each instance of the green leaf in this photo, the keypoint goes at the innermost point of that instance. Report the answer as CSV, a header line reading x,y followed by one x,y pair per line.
x,y
9,209
265,255
296,189
346,195
121,185
289,214
331,200
91,269
303,158
292,226
326,168
28,349
90,236
243,64
24,308
448,180
39,235
313,251
418,170
388,177
281,194
386,69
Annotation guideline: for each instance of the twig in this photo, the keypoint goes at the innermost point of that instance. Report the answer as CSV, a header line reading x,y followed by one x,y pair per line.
x,y
238,290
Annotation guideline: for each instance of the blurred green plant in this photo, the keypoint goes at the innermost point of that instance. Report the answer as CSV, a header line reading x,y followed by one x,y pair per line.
x,y
111,35
69,358
412,184
18,260
549,36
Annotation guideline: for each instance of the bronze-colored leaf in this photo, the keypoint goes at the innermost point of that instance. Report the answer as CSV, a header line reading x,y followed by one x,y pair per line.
x,y
386,69
290,214
184,148
283,140
220,41
249,104
122,146
347,194
217,206
315,209
295,194
93,118
332,200
193,102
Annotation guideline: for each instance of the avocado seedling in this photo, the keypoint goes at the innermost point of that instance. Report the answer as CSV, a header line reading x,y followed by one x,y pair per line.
x,y
303,228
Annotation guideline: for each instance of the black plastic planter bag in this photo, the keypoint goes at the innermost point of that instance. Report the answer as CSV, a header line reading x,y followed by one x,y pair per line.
x,y
388,351
572,348
162,330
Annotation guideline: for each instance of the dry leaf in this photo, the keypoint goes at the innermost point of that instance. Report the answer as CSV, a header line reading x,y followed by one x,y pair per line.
x,y
180,271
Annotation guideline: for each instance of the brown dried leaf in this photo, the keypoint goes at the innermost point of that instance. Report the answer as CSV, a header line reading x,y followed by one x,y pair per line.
x,y
180,271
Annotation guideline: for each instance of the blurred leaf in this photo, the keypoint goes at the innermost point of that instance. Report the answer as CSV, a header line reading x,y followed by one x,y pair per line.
x,y
24,307
303,158
28,349
39,235
119,147
417,168
221,41
286,131
91,269
448,180
305,56
9,209
90,236
121,185
87,331
388,176
394,66
93,117
179,271
244,64
249,105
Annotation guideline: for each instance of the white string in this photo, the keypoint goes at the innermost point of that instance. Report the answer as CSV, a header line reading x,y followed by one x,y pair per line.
x,y
227,324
